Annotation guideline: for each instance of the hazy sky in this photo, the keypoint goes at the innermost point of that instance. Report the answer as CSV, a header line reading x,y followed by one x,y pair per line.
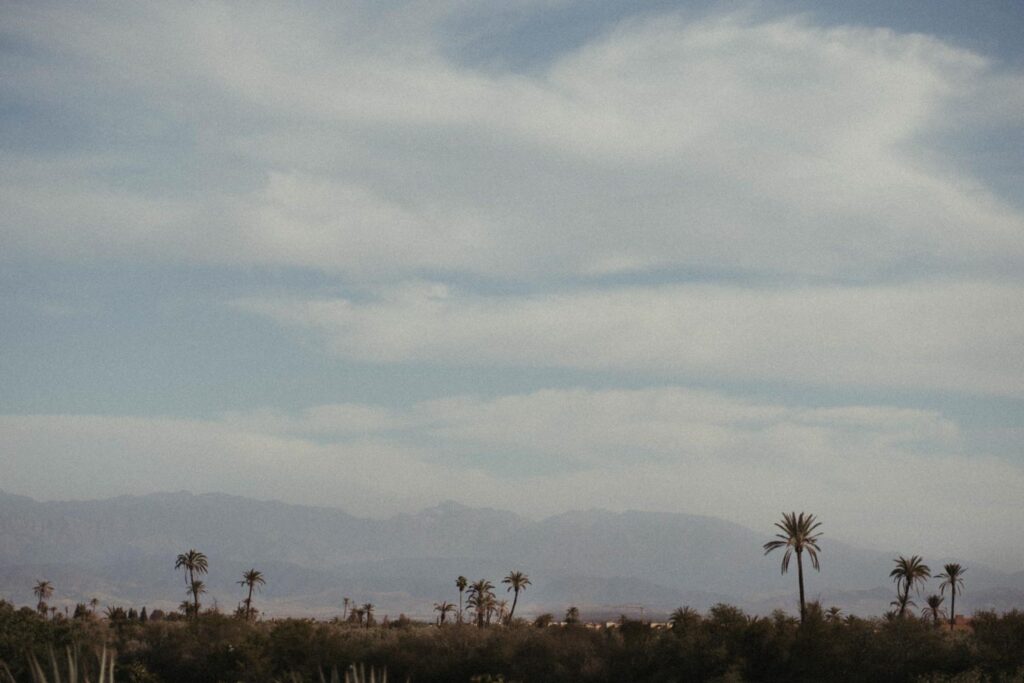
x,y
717,258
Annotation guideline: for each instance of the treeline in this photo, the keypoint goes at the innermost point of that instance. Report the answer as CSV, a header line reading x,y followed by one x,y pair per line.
x,y
725,644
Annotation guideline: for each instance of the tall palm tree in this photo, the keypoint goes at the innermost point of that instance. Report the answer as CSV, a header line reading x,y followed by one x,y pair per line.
x,y
798,534
481,597
934,609
193,562
517,581
252,579
443,608
461,584
44,591
344,610
909,573
953,577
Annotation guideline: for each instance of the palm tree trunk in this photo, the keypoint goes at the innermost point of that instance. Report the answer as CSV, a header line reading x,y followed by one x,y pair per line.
x,y
248,604
460,605
195,596
512,612
952,608
800,578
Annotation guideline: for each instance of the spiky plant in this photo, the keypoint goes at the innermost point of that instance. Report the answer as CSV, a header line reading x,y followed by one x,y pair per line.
x,y
73,671
356,673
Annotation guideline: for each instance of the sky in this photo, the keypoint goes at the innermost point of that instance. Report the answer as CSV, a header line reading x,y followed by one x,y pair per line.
x,y
719,258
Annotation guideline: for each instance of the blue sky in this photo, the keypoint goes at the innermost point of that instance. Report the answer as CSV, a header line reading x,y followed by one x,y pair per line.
x,y
706,257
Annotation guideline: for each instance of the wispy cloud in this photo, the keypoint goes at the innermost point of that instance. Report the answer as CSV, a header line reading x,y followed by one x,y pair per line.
x,y
668,449
960,337
736,199
726,144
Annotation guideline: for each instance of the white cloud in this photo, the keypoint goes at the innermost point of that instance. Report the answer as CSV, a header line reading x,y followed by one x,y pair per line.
x,y
882,476
960,337
347,142
724,144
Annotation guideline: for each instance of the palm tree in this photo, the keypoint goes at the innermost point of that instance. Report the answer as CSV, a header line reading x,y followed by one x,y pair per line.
x,y
252,579
953,576
93,604
798,534
501,612
910,573
44,591
344,610
368,611
194,562
934,609
481,594
572,615
683,618
461,584
357,614
443,608
517,581
833,615
901,603
196,589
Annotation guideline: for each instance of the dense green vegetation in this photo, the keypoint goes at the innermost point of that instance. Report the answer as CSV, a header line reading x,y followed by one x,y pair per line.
x,y
485,642
724,644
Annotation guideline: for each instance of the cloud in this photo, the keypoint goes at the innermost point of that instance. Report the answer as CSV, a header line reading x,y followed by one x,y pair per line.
x,y
813,200
955,337
723,145
887,477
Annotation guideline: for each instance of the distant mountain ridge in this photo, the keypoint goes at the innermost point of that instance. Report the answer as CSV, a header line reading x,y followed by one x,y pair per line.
x,y
122,550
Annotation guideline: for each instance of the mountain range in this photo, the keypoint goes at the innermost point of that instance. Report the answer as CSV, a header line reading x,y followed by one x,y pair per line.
x,y
122,551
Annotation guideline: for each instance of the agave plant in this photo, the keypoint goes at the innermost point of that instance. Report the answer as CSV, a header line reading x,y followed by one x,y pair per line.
x,y
356,673
73,672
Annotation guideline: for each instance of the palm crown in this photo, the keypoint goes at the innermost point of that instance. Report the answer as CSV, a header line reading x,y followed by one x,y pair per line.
x,y
798,533
43,590
193,562
909,572
252,578
953,577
